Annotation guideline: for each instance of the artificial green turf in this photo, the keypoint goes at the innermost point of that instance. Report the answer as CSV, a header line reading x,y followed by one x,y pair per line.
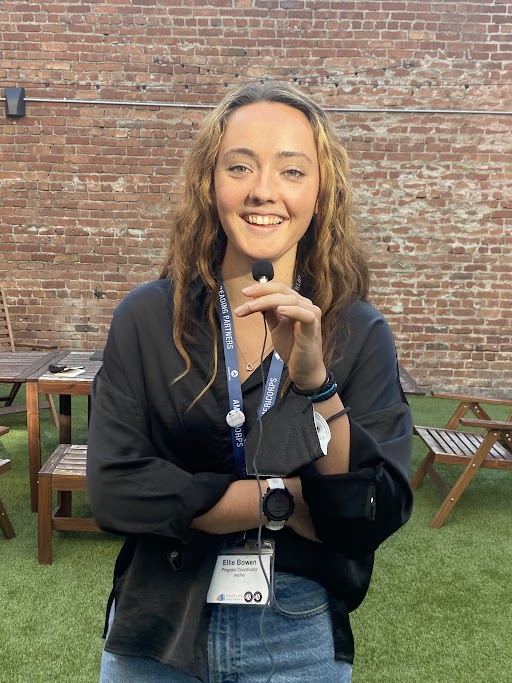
x,y
51,617
439,609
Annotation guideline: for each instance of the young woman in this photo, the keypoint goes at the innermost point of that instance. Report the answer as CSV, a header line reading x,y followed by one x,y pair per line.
x,y
220,433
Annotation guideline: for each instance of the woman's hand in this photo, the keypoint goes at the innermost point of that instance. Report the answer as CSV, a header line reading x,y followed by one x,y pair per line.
x,y
295,325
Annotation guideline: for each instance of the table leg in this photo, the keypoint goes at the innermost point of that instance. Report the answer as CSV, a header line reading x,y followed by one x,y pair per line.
x,y
65,418
34,440
12,395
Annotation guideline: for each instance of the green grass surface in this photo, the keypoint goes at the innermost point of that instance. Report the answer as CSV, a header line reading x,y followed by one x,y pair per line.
x,y
439,609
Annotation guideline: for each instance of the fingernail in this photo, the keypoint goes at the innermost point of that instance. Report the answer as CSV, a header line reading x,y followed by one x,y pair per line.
x,y
245,290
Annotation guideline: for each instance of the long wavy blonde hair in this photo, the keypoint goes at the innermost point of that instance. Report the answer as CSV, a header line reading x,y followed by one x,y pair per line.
x,y
329,255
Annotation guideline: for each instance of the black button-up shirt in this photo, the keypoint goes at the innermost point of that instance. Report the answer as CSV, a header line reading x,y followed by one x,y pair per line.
x,y
154,464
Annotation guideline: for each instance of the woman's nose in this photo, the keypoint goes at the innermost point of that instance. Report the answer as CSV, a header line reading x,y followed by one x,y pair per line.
x,y
263,189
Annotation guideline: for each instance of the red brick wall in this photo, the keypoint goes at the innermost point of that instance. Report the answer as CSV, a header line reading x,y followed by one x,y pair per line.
x,y
86,189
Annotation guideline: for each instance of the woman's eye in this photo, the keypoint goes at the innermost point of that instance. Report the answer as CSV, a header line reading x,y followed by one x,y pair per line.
x,y
294,173
238,168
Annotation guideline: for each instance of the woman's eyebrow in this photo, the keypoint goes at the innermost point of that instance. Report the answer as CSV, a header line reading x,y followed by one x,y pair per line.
x,y
292,154
286,154
241,150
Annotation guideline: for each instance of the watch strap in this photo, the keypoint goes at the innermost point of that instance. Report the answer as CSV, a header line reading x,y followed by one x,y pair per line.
x,y
273,525
275,483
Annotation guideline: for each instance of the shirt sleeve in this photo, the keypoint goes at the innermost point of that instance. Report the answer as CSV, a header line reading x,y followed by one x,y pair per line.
x,y
133,488
356,511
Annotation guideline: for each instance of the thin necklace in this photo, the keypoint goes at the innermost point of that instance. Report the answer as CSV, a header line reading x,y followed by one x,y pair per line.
x,y
250,366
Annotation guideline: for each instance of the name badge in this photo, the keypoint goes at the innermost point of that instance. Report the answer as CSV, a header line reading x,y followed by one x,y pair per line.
x,y
242,576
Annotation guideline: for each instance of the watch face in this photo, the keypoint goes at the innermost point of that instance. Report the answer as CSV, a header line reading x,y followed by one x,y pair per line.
x,y
278,504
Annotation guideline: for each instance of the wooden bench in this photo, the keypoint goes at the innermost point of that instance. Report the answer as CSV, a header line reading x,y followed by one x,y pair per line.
x,y
64,472
5,522
491,448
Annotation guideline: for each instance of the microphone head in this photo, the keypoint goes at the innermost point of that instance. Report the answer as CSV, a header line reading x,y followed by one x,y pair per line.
x,y
262,271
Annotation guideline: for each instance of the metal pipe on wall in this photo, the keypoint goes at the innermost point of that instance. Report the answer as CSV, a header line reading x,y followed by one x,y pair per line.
x,y
183,105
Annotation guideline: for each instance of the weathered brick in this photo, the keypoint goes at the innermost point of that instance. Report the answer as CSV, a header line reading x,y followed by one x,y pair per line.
x,y
434,189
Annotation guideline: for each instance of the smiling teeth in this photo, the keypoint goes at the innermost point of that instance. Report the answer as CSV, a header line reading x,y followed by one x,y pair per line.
x,y
264,220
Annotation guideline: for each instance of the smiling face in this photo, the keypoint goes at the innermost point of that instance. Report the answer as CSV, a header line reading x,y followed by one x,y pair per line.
x,y
266,185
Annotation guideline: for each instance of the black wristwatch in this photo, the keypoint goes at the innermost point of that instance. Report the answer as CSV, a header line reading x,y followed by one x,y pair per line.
x,y
277,504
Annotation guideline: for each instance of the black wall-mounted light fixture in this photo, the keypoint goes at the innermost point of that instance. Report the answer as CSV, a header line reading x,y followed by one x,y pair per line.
x,y
15,102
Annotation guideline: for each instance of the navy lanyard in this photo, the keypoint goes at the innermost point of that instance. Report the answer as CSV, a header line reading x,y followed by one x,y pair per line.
x,y
233,378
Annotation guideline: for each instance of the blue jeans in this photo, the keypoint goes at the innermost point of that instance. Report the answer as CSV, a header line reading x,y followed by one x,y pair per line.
x,y
296,630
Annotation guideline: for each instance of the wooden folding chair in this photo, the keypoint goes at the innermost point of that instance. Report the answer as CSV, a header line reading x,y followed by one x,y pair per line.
x,y
7,344
5,523
491,448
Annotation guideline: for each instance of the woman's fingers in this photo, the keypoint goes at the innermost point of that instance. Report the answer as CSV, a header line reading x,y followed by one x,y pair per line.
x,y
306,316
266,288
282,307
266,303
271,289
288,300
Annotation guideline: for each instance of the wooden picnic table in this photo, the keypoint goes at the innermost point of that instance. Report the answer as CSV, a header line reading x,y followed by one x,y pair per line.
x,y
65,386
16,367
409,385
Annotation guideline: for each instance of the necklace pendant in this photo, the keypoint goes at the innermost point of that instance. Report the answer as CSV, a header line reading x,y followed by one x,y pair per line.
x,y
249,367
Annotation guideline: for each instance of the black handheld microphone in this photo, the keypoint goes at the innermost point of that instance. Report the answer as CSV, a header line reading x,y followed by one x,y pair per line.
x,y
263,271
